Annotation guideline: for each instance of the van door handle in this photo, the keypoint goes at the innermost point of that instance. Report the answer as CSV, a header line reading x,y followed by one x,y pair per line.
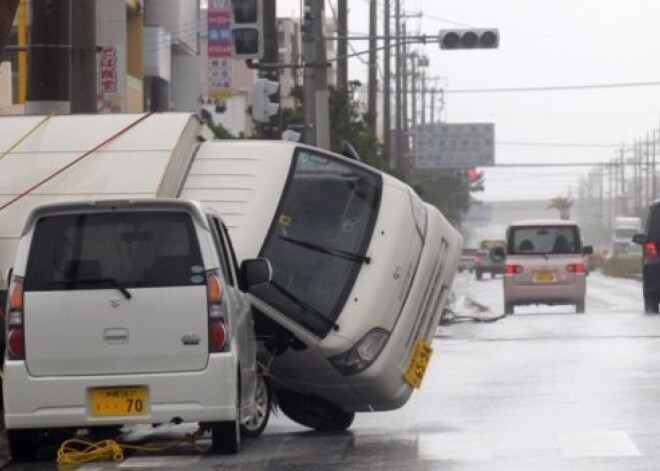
x,y
115,335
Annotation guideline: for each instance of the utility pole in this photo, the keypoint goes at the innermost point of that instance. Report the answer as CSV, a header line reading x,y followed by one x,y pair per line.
x,y
83,56
8,10
309,73
373,58
342,44
423,121
432,104
273,128
48,84
322,94
387,89
398,71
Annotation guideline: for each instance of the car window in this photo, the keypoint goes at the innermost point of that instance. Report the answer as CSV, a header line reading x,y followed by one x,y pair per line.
x,y
222,250
550,239
491,244
132,249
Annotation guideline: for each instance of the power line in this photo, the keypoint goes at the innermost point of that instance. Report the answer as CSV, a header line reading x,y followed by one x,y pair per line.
x,y
556,87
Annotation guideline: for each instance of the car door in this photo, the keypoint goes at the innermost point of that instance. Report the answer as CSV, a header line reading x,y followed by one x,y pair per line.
x,y
241,321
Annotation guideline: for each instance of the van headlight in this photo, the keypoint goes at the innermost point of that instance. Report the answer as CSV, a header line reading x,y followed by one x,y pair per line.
x,y
419,213
362,354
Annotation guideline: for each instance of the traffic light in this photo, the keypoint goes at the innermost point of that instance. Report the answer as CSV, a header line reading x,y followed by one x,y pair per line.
x,y
247,37
486,38
262,105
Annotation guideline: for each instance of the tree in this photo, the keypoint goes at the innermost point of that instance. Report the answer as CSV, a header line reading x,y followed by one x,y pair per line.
x,y
563,205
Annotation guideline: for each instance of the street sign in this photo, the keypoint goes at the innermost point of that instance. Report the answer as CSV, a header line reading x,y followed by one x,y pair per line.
x,y
439,145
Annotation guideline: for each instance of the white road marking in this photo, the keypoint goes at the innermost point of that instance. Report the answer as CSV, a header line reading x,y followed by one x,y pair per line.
x,y
441,447
160,462
597,443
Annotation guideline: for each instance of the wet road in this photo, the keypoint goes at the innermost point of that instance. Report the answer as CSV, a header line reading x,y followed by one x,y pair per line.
x,y
544,389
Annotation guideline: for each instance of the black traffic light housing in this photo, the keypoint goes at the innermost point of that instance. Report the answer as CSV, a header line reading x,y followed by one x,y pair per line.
x,y
247,35
483,38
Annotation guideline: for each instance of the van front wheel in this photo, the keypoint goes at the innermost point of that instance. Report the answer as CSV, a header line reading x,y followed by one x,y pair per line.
x,y
579,307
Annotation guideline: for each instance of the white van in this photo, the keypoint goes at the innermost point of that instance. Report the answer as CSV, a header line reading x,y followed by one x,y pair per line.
x,y
362,269
128,312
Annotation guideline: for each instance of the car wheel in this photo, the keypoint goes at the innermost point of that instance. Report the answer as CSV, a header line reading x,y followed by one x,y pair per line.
x,y
478,274
579,307
262,404
23,444
314,412
226,436
508,308
650,304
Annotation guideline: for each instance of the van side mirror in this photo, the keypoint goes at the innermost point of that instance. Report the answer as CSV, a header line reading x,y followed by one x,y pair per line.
x,y
255,271
497,254
639,239
587,250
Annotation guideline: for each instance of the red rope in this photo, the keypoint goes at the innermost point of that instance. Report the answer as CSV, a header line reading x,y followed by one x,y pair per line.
x,y
71,164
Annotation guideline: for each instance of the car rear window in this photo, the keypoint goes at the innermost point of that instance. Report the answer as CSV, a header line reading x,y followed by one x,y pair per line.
x,y
129,249
550,239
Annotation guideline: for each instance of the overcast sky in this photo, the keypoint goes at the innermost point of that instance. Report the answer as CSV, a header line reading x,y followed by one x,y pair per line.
x,y
543,43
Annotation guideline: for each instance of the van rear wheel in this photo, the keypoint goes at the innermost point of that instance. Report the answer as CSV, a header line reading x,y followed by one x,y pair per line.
x,y
508,308
579,307
226,436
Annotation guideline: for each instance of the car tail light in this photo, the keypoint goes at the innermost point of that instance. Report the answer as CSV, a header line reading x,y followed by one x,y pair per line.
x,y
217,335
217,315
16,343
650,252
575,268
15,337
477,259
511,269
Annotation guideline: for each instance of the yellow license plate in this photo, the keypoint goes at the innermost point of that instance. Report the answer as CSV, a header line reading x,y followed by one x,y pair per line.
x,y
419,360
544,276
119,401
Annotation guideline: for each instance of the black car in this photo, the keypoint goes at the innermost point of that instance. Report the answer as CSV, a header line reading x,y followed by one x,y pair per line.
x,y
650,242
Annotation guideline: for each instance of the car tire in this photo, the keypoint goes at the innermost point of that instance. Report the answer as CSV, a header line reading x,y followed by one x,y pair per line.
x,y
651,304
508,308
23,444
263,403
226,436
477,274
579,307
314,412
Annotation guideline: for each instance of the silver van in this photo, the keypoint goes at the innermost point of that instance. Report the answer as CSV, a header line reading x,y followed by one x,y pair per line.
x,y
128,312
544,264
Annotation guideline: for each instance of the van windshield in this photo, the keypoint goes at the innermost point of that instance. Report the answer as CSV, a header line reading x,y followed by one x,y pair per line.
x,y
114,250
550,239
319,238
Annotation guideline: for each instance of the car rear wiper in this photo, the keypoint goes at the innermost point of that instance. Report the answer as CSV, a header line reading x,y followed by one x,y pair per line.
x,y
354,257
305,306
110,281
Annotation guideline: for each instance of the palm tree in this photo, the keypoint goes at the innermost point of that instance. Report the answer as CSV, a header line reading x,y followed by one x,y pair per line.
x,y
563,205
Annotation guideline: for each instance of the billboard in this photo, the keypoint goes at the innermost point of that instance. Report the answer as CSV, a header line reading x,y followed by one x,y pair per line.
x,y
444,145
219,49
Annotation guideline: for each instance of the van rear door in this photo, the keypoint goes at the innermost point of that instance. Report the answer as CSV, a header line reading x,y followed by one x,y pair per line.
x,y
115,292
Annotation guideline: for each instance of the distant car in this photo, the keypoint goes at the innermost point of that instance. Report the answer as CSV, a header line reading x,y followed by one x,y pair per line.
x,y
466,262
649,241
129,312
544,264
484,262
